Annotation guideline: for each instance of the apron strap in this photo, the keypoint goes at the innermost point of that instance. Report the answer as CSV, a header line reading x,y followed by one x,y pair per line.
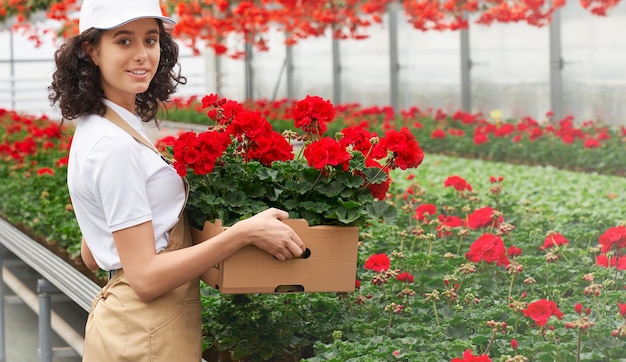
x,y
180,234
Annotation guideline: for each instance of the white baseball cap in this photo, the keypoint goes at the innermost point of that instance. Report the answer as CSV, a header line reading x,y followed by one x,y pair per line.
x,y
110,14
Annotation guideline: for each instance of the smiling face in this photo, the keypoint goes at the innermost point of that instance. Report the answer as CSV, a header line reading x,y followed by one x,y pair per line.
x,y
128,58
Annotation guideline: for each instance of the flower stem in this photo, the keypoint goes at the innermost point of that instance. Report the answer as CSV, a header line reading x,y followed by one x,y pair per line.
x,y
579,346
511,285
381,170
493,338
617,255
436,314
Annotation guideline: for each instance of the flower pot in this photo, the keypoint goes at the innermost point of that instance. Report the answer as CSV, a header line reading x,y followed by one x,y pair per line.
x,y
330,265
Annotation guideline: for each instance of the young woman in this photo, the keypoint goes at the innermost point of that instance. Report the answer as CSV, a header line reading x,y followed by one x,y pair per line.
x,y
127,198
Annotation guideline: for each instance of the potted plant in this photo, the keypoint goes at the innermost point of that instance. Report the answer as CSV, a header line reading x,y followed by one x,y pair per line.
x,y
241,166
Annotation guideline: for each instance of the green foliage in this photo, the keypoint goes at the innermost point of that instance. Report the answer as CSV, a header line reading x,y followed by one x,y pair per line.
x,y
237,189
447,307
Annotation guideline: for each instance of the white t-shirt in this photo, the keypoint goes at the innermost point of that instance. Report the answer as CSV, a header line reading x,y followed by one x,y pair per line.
x,y
115,182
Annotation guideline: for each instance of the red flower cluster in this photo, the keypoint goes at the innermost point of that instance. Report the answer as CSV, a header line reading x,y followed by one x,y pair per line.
x,y
553,238
327,152
488,248
378,262
484,217
613,239
199,151
423,211
405,277
312,113
448,222
611,262
540,311
406,152
210,22
468,356
32,136
514,251
458,183
256,140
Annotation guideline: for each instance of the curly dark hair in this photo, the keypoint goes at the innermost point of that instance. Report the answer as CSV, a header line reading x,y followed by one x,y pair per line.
x,y
76,83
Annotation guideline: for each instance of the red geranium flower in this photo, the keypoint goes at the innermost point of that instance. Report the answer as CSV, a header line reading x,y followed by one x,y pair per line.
x,y
480,137
438,133
468,356
458,183
270,147
378,262
248,125
63,161
514,251
358,137
448,222
554,238
591,143
199,151
483,217
489,248
540,311
425,210
312,113
405,277
326,152
613,239
618,262
407,153
163,143
45,171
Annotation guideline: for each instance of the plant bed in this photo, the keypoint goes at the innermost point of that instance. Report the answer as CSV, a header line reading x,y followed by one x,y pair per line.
x,y
425,291
562,143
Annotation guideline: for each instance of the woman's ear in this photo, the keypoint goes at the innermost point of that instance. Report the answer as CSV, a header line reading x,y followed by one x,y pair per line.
x,y
91,51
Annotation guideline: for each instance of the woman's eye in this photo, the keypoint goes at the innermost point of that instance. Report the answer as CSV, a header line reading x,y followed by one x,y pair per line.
x,y
152,41
124,42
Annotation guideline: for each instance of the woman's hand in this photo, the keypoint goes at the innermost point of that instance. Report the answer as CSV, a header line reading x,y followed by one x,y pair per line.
x,y
267,232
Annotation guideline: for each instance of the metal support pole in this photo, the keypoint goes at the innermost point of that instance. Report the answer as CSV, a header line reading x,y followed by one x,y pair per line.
x,y
466,66
2,322
249,72
44,288
394,66
290,70
336,72
556,66
12,62
218,74
212,68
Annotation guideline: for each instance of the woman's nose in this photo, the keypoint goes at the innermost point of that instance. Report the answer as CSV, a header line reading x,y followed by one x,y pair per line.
x,y
141,53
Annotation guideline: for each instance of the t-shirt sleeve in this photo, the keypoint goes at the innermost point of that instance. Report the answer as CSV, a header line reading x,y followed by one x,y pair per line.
x,y
119,182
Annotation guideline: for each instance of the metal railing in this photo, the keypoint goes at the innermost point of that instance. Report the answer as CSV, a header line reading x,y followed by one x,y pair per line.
x,y
57,276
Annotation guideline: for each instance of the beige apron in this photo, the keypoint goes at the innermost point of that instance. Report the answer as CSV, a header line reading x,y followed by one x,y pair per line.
x,y
120,327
